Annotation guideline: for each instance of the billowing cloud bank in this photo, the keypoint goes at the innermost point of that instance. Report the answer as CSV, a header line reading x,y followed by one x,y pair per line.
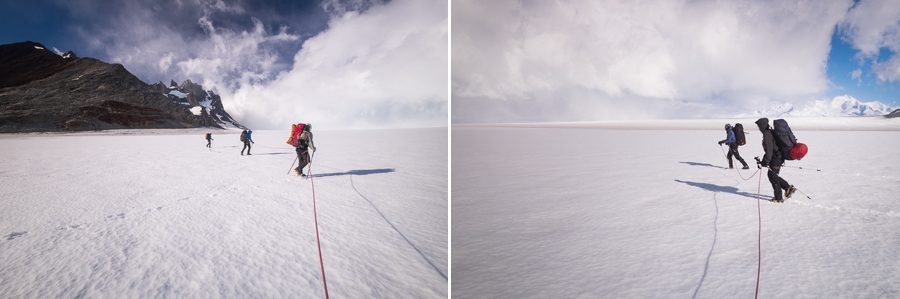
x,y
590,60
384,67
336,63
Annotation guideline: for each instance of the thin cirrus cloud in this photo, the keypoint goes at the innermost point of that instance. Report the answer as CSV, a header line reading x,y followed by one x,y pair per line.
x,y
594,60
340,64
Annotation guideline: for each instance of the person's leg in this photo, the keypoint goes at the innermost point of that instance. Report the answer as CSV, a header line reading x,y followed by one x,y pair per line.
x,y
303,159
776,186
248,147
244,148
306,159
300,164
781,182
730,162
737,155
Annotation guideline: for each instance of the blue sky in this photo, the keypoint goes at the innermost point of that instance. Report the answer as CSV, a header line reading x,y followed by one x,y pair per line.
x,y
842,60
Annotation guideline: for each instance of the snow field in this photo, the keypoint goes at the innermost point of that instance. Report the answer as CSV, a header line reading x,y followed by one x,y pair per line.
x,y
562,212
157,214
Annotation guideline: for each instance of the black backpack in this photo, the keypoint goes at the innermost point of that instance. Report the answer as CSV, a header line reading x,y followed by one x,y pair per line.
x,y
244,136
739,137
784,138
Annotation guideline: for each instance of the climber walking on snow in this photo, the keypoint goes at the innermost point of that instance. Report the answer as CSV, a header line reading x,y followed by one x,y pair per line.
x,y
734,137
304,145
209,140
773,159
247,139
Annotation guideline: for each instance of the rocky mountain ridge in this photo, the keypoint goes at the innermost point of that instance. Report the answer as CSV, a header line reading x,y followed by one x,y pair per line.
x,y
41,91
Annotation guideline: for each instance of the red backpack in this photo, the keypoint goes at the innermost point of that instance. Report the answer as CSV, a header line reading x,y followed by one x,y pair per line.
x,y
296,129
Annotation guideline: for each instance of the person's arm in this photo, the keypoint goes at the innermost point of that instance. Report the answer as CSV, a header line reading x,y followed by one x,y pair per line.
x,y
311,144
769,148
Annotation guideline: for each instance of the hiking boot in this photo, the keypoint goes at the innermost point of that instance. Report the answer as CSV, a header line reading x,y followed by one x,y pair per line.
x,y
746,167
778,200
790,191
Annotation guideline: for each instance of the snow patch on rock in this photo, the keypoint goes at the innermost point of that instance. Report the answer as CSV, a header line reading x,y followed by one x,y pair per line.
x,y
178,94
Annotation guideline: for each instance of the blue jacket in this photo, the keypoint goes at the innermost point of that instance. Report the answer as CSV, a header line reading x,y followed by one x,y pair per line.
x,y
250,136
730,139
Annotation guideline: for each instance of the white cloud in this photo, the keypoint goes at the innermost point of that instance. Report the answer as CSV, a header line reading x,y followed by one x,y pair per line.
x,y
384,67
888,71
871,26
227,60
581,60
166,61
856,75
376,65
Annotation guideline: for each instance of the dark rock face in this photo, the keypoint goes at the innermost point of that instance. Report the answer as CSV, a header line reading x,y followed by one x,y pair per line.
x,y
895,113
207,103
24,62
41,91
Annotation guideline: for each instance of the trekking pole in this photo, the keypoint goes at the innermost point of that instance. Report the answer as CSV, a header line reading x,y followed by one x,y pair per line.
x,y
722,149
310,162
292,165
804,194
800,167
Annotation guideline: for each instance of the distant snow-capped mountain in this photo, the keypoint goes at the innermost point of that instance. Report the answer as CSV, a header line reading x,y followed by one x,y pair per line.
x,y
844,105
203,103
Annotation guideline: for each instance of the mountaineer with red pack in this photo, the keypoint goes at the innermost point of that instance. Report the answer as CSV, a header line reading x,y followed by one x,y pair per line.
x,y
779,144
302,139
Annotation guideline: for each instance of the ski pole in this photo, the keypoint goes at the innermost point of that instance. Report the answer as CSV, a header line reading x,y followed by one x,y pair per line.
x,y
292,165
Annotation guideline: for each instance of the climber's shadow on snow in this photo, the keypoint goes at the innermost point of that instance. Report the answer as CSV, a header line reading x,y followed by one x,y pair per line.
x,y
259,154
702,164
724,189
356,172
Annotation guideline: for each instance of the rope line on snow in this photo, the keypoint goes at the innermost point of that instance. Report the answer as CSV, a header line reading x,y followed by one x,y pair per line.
x,y
709,255
735,169
758,236
316,220
397,230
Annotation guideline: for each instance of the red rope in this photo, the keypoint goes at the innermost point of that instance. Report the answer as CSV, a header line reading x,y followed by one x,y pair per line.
x,y
316,219
759,237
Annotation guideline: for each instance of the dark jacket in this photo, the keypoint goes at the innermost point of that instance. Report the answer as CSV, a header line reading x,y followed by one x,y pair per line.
x,y
773,155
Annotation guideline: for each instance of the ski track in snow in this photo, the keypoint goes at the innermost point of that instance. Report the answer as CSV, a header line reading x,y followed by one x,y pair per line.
x,y
157,214
625,213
